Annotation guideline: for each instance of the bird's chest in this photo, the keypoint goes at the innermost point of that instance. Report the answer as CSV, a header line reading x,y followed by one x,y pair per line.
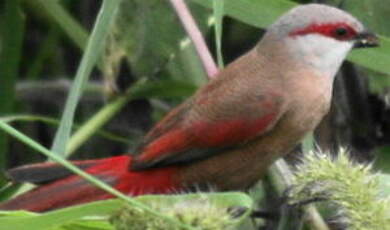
x,y
308,104
306,114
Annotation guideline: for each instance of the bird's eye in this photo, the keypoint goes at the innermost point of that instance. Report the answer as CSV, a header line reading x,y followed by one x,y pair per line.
x,y
341,32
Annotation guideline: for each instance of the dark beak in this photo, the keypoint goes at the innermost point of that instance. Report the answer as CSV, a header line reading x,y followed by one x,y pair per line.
x,y
366,39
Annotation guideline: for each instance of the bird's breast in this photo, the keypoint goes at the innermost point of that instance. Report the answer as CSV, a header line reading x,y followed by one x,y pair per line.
x,y
244,165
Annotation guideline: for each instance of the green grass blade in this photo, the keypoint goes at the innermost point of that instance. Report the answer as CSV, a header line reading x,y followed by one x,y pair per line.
x,y
93,50
218,6
66,22
96,122
55,122
10,56
36,146
57,218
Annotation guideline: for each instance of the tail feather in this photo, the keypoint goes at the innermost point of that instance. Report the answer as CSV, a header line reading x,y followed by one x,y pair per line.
x,y
74,190
45,172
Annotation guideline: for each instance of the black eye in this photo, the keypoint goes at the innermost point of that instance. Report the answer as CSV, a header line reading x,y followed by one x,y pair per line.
x,y
341,32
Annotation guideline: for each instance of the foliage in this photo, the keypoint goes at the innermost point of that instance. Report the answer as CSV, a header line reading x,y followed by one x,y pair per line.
x,y
164,69
98,215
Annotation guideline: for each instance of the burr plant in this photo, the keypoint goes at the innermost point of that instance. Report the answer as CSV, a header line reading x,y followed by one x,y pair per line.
x,y
350,187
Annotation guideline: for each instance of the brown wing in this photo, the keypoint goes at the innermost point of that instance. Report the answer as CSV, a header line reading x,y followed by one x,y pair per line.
x,y
206,125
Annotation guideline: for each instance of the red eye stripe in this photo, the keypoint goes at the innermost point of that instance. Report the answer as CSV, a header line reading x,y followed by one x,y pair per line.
x,y
330,30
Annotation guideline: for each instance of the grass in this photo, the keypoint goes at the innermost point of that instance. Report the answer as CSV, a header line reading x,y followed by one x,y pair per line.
x,y
13,30
153,42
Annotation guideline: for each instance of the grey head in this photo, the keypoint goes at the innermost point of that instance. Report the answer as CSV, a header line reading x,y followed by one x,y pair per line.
x,y
322,20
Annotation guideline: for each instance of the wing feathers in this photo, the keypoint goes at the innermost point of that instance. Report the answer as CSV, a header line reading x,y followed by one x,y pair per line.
x,y
202,140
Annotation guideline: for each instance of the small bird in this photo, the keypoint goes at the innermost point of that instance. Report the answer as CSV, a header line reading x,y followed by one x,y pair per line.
x,y
232,129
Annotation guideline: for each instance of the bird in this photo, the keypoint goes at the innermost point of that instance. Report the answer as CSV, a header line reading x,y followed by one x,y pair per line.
x,y
232,129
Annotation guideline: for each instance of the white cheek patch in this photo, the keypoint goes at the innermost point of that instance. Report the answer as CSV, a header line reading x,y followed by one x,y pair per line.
x,y
323,53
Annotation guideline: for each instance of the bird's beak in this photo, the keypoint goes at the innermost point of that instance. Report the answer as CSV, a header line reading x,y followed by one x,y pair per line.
x,y
366,39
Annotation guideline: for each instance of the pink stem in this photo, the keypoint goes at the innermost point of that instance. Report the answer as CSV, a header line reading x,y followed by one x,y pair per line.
x,y
196,37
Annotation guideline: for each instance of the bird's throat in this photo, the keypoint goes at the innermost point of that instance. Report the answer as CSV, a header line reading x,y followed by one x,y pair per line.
x,y
322,54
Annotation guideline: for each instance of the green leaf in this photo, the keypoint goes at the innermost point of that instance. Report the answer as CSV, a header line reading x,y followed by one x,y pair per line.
x,y
95,215
153,40
373,13
32,221
92,53
262,13
259,13
89,225
373,58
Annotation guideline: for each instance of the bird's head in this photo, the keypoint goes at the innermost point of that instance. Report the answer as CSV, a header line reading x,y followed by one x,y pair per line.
x,y
320,35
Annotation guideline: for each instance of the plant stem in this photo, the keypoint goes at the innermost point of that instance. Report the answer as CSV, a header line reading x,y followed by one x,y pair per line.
x,y
92,52
97,121
218,7
196,37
